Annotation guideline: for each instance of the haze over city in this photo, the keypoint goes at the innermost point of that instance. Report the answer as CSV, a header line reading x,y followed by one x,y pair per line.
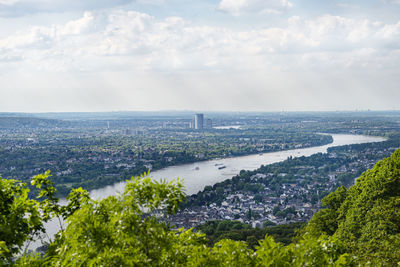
x,y
248,55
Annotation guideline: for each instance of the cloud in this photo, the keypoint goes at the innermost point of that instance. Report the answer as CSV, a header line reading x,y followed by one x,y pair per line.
x,y
23,7
347,6
121,40
117,59
239,7
8,2
79,26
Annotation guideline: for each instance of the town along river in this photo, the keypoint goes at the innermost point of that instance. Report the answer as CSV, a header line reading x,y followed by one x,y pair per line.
x,y
197,175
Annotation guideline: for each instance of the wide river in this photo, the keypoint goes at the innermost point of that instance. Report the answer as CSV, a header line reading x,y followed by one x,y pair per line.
x,y
197,175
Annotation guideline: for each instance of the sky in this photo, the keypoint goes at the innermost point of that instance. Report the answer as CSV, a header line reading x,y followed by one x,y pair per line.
x,y
204,55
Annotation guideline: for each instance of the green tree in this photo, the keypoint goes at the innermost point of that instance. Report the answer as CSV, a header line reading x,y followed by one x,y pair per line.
x,y
20,218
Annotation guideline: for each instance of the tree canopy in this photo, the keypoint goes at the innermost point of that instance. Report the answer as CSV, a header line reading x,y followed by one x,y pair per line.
x,y
366,217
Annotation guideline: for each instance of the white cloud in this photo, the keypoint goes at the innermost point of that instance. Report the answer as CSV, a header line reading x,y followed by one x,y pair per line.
x,y
390,32
152,2
239,7
8,2
332,32
23,7
79,26
129,40
347,6
124,59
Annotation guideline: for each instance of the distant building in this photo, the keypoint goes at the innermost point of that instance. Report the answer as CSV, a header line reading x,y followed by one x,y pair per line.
x,y
139,132
198,121
208,124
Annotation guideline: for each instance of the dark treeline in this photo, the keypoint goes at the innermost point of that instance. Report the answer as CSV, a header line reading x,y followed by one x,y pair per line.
x,y
235,230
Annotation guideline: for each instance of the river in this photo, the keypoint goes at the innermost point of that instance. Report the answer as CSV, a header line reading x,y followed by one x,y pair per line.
x,y
197,175
200,174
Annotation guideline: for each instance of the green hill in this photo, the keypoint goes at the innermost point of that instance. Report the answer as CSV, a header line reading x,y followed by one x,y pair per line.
x,y
366,217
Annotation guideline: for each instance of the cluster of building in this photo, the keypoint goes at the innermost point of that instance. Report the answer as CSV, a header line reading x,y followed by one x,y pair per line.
x,y
279,203
244,206
200,123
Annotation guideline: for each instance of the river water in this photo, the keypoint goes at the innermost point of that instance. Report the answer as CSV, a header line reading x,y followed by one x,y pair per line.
x,y
197,175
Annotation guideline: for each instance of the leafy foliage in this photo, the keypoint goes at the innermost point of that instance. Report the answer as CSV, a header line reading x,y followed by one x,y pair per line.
x,y
235,230
366,217
20,218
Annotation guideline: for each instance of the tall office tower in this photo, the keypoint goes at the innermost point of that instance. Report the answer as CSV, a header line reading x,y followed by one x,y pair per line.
x,y
198,121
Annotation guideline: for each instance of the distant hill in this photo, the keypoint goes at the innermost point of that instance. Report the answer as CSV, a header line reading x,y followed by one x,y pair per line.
x,y
29,122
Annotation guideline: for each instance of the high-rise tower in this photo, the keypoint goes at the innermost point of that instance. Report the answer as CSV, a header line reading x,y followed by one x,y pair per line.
x,y
198,121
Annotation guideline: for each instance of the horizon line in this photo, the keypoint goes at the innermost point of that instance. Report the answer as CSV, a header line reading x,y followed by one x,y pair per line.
x,y
204,111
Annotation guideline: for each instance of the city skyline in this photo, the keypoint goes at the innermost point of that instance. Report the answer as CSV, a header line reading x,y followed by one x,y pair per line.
x,y
213,55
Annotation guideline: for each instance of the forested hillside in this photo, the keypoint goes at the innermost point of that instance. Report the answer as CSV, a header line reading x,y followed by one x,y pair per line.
x,y
366,217
359,226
